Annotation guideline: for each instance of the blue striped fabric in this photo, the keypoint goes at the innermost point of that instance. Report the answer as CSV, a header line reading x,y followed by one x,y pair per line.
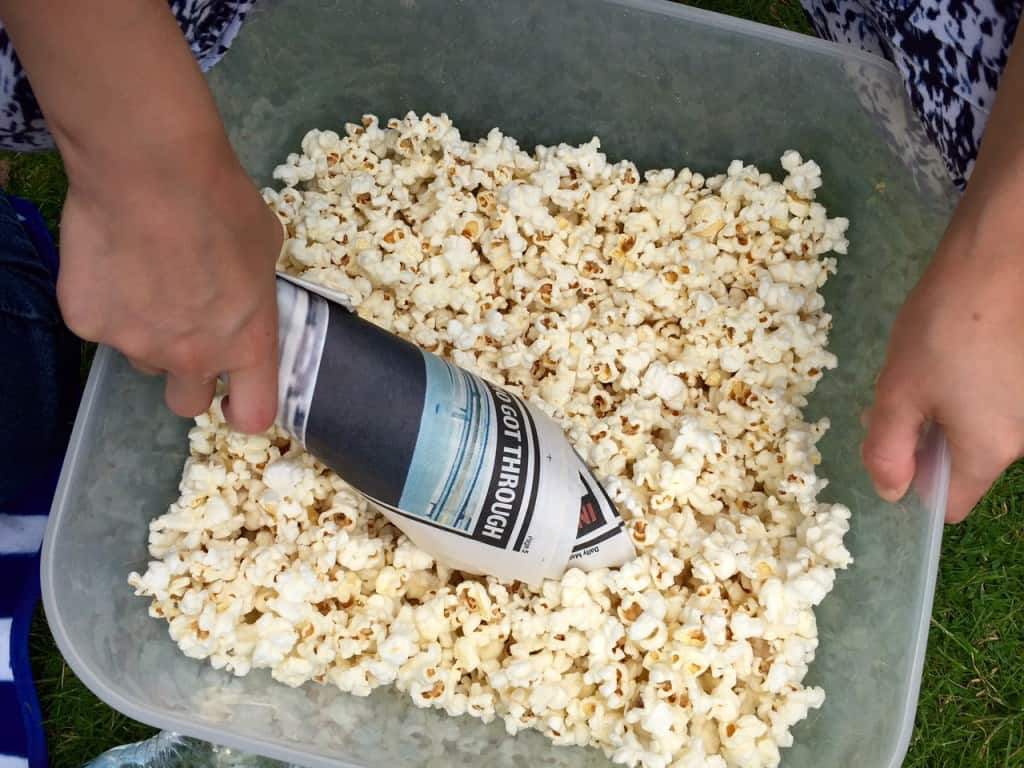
x,y
22,742
22,523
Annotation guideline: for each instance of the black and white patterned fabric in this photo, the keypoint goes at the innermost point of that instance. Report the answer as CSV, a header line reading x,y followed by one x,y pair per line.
x,y
950,53
209,26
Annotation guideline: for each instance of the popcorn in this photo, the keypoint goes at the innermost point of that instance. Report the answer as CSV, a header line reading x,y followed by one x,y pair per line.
x,y
276,636
673,325
648,632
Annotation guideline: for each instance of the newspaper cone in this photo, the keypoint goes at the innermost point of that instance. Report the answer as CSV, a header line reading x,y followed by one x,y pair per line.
x,y
477,477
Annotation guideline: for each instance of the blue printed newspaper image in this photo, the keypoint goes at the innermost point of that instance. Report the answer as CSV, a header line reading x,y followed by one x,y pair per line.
x,y
456,434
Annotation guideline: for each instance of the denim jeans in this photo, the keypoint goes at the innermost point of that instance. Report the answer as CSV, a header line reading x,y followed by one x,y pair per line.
x,y
38,360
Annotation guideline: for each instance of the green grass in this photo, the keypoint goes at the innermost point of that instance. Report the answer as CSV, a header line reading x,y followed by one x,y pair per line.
x,y
40,178
78,725
778,13
971,711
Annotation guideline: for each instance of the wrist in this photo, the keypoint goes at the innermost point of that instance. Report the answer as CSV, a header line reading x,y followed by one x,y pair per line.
x,y
976,280
986,231
136,162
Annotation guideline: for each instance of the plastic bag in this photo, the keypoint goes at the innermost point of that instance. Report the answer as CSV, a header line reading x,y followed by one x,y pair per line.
x,y
482,480
171,750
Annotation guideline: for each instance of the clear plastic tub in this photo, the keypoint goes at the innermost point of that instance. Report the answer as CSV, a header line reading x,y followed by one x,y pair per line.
x,y
660,84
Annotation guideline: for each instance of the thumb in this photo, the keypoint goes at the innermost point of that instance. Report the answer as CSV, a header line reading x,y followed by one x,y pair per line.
x,y
888,452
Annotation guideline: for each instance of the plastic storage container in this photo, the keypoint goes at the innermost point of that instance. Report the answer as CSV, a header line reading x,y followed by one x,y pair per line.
x,y
660,84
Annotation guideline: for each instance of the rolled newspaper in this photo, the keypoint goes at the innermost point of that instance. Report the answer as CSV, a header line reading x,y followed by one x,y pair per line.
x,y
482,480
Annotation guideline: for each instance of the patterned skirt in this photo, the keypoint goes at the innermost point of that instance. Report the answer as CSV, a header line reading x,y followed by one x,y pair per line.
x,y
950,53
208,25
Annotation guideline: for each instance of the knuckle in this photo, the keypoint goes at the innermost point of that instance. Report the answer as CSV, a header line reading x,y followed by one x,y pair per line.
x,y
137,348
256,348
1003,453
187,366
247,355
890,387
177,406
187,398
80,318
191,360
142,366
983,455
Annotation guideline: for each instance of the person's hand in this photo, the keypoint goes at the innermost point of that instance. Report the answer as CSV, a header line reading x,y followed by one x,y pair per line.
x,y
167,249
956,357
169,257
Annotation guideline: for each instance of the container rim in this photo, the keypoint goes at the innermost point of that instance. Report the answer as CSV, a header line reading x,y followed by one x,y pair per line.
x,y
749,28
931,483
105,357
